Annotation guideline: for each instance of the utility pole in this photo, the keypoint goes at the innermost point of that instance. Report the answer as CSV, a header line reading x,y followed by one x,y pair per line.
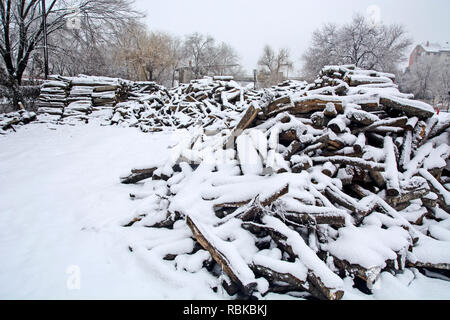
x,y
44,31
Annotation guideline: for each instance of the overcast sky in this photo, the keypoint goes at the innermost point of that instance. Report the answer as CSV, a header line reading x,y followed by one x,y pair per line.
x,y
248,25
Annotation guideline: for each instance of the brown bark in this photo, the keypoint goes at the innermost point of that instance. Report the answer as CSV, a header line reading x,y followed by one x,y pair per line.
x,y
220,258
138,175
246,120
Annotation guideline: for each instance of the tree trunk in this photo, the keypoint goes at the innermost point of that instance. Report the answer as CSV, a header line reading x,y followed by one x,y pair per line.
x,y
16,94
173,78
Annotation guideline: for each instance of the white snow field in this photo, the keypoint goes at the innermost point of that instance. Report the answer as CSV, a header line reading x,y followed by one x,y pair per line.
x,y
62,208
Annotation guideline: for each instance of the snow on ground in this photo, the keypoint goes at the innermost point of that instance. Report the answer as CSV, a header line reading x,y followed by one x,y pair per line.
x,y
61,210
411,285
61,205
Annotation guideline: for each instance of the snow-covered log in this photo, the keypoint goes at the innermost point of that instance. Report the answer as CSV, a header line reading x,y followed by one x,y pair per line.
x,y
391,172
230,261
138,175
319,275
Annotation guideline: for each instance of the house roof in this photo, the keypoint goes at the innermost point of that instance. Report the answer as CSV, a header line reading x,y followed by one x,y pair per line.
x,y
435,47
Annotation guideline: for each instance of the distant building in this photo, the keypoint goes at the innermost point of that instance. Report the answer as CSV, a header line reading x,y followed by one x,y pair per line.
x,y
439,57
430,49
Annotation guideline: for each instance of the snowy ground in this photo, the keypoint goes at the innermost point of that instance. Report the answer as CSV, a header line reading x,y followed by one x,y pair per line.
x,y
61,210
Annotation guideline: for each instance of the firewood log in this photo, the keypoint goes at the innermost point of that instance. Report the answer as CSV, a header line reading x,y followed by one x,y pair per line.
x,y
138,175
231,265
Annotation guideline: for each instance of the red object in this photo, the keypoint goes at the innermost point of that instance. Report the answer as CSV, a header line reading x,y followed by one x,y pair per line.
x,y
437,111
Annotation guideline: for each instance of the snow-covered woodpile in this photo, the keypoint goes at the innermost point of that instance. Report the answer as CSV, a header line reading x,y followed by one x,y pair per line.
x,y
12,119
100,91
215,103
73,96
313,183
53,97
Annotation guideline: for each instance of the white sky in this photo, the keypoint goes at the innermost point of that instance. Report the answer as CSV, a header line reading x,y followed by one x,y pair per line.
x,y
248,25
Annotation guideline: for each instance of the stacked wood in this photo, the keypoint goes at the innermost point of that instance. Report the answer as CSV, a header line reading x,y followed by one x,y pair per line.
x,y
75,96
342,177
104,95
88,92
53,97
78,107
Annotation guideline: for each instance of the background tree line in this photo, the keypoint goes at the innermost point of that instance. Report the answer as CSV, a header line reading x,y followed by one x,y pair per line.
x,y
111,40
136,53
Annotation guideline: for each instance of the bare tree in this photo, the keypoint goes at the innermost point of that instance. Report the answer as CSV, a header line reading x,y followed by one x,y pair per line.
x,y
206,57
127,51
196,48
428,79
145,55
157,56
176,57
364,44
22,28
271,65
324,50
223,60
